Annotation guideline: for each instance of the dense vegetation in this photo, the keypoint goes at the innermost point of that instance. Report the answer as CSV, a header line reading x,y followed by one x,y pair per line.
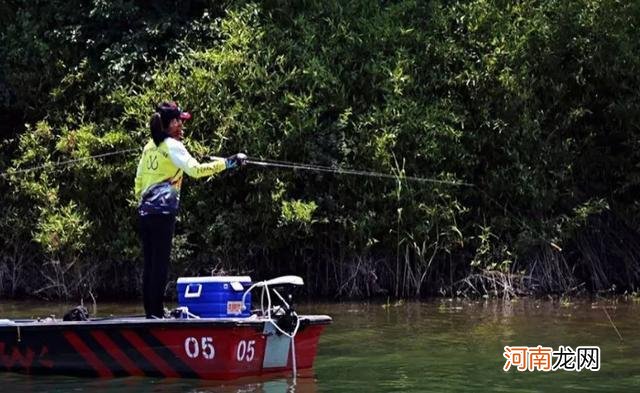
x,y
534,103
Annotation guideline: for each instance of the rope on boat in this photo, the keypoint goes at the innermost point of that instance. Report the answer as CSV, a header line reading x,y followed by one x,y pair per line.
x,y
185,311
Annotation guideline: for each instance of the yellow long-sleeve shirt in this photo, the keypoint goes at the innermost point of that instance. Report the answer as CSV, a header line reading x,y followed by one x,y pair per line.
x,y
159,175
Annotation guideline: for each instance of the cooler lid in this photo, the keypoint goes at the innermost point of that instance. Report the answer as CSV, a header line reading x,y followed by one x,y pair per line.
x,y
190,280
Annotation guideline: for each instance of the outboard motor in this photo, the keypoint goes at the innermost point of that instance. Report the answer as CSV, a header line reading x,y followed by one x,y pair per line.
x,y
288,319
281,317
278,294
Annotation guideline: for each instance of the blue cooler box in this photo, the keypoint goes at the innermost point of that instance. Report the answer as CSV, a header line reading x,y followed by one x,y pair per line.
x,y
215,297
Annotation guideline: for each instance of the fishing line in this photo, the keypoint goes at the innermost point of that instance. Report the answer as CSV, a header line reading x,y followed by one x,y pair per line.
x,y
64,163
604,308
344,171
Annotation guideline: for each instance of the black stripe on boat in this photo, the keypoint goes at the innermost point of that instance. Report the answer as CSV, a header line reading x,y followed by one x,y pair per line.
x,y
147,367
174,361
103,354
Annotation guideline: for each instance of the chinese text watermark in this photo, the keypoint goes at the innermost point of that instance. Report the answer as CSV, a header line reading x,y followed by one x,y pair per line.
x,y
546,359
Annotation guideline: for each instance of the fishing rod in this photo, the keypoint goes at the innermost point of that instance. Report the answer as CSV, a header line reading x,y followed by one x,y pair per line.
x,y
64,163
353,172
251,161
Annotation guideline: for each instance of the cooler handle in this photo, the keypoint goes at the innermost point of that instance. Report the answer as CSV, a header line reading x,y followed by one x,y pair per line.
x,y
190,294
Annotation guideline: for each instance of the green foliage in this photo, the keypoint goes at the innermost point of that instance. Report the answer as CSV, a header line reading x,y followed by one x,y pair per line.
x,y
532,102
298,211
62,230
490,253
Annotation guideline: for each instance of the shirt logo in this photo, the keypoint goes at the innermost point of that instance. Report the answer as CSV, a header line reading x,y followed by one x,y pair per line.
x,y
152,162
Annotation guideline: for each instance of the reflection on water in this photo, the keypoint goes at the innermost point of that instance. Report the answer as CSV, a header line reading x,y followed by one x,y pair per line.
x,y
442,345
54,384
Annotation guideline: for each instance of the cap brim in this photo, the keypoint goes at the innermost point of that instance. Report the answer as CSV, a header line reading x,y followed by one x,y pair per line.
x,y
185,116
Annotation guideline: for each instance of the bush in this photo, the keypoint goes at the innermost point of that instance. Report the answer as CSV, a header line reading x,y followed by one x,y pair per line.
x,y
530,102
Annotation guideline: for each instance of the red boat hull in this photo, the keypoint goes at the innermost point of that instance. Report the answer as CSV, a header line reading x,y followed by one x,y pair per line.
x,y
206,349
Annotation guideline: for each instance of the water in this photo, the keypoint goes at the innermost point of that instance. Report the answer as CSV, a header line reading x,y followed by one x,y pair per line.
x,y
435,346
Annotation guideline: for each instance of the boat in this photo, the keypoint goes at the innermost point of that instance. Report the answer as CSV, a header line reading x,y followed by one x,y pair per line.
x,y
270,339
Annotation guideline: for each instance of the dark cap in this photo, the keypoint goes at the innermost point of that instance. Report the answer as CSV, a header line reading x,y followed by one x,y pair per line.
x,y
170,110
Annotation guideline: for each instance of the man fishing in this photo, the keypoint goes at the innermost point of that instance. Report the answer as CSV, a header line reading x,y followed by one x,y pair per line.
x,y
158,180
